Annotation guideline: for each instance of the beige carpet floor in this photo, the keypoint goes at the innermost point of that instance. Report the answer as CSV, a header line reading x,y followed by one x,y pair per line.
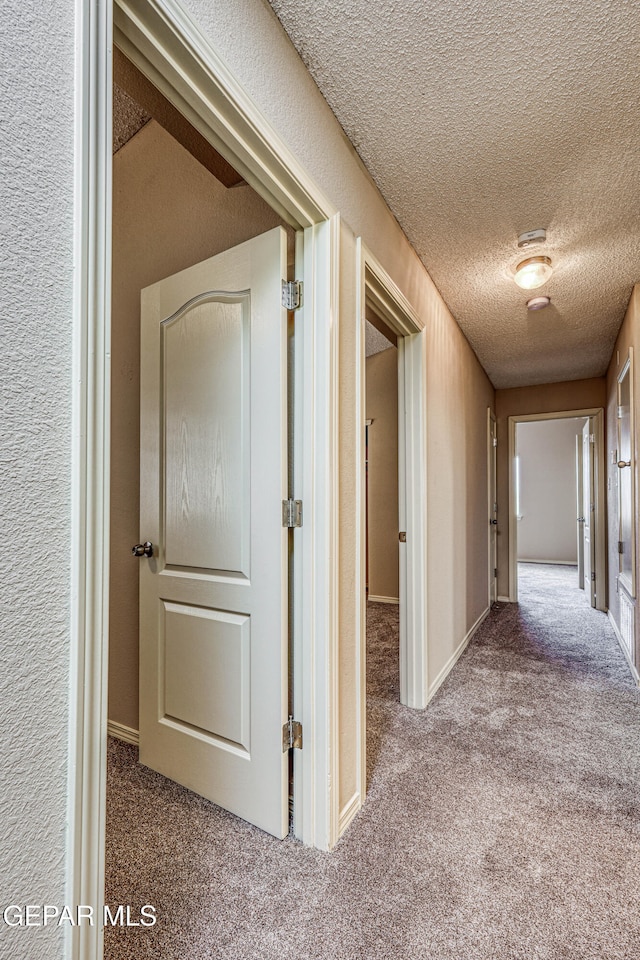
x,y
502,823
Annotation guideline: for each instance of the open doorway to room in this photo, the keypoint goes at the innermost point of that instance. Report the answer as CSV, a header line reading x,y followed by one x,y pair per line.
x,y
557,500
176,202
382,527
187,392
170,51
554,521
381,463
392,516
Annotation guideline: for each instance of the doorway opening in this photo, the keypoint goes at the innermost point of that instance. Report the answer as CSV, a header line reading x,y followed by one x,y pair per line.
x,y
382,525
170,211
381,463
492,505
187,395
554,500
557,502
170,51
401,535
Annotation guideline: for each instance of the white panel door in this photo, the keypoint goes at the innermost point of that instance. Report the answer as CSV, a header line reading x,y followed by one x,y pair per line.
x,y
579,509
493,510
588,511
213,603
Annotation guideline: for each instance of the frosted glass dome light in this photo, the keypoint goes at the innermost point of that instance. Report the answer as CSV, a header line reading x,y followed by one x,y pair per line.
x,y
533,272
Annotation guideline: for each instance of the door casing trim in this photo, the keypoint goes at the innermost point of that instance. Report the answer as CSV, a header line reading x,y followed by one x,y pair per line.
x,y
168,47
627,369
600,502
492,562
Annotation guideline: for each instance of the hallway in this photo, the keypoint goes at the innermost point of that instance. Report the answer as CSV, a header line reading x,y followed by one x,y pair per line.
x,y
502,823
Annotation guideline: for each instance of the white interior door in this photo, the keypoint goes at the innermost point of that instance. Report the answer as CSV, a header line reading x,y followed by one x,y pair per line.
x,y
626,493
580,509
588,510
213,602
493,510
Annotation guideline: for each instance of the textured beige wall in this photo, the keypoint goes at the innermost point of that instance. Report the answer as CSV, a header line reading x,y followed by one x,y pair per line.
x,y
544,398
458,394
629,336
40,454
168,213
382,408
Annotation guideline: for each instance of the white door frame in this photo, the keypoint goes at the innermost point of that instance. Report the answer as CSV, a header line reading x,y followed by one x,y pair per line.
x,y
579,509
159,37
492,497
600,474
376,287
627,369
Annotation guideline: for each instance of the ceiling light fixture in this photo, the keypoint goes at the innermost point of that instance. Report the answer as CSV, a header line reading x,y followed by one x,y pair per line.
x,y
533,272
538,303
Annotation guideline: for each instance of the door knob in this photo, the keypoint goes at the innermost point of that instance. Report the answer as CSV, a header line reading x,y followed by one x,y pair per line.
x,y
143,549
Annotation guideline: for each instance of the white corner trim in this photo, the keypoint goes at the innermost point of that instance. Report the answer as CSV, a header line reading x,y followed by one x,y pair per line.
x,y
90,472
315,618
631,665
332,519
348,812
455,656
121,732
373,599
361,531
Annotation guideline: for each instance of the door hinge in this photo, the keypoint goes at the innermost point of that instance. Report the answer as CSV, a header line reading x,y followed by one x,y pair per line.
x,y
620,546
592,438
291,735
495,441
291,294
495,572
402,536
292,513
593,575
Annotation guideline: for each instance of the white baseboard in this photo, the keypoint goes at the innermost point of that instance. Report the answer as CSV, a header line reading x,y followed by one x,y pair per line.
x,y
455,656
632,666
504,600
121,732
561,563
373,599
348,812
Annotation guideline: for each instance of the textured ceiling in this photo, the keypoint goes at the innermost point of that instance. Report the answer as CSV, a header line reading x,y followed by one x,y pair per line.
x,y
128,118
479,121
374,341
